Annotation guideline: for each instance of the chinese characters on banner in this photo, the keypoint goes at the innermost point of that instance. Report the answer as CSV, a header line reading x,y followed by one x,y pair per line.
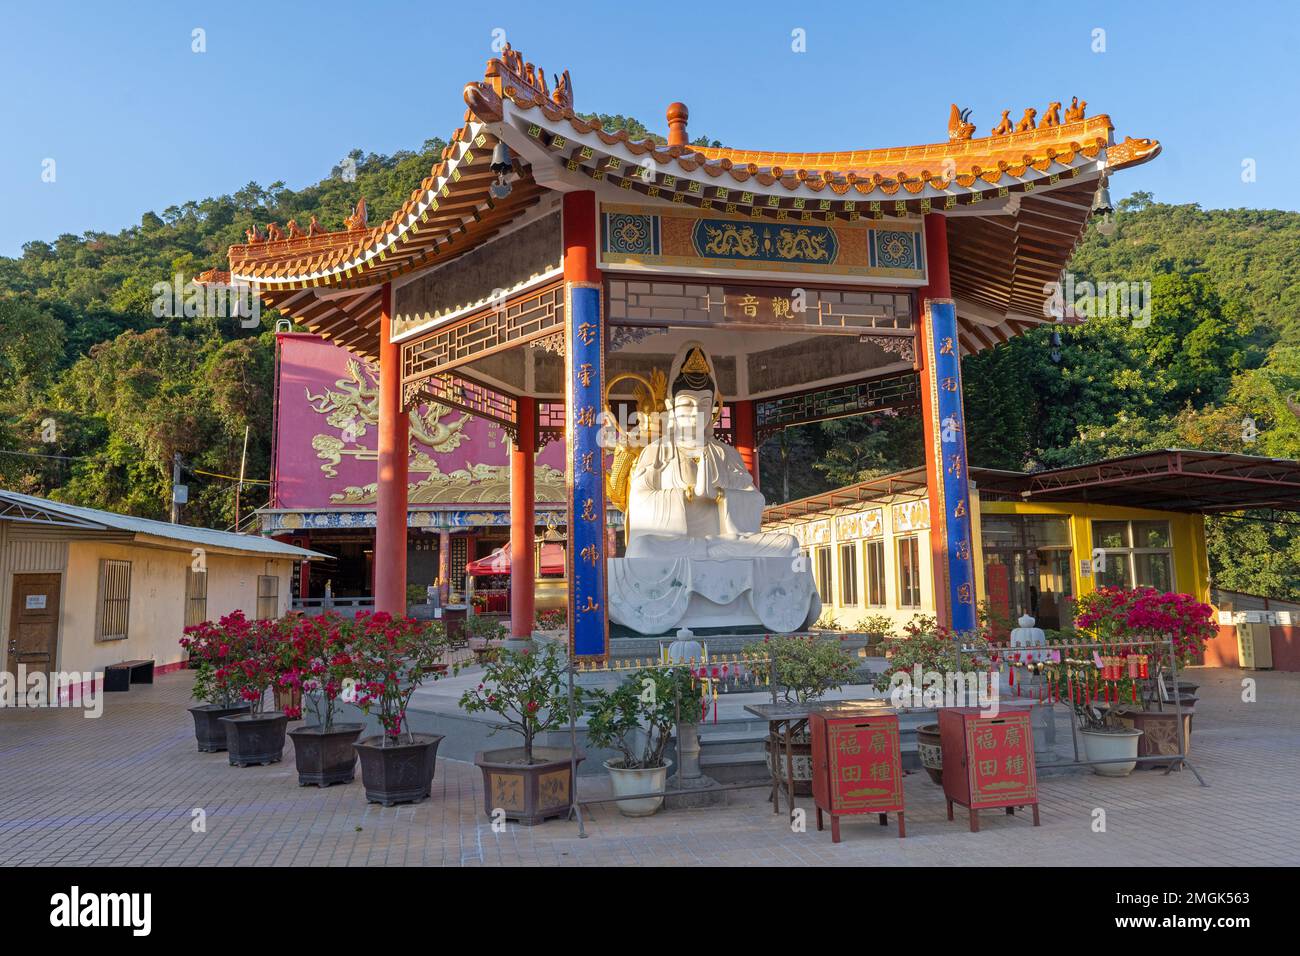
x,y
949,429
584,358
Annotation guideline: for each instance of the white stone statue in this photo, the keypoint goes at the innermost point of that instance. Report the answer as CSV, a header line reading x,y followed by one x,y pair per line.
x,y
1026,635
696,555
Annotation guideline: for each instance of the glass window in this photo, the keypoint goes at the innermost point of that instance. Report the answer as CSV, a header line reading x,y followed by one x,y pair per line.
x,y
909,572
1150,534
1110,534
848,574
1112,569
268,597
1154,569
875,561
824,573
1129,552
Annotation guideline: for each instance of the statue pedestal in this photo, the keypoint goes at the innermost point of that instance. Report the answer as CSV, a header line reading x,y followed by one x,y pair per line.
x,y
689,776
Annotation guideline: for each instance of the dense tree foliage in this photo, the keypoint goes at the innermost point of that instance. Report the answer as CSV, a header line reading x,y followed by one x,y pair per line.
x,y
97,394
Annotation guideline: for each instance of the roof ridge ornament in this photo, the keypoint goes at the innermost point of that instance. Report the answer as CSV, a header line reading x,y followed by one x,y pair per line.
x,y
533,77
358,218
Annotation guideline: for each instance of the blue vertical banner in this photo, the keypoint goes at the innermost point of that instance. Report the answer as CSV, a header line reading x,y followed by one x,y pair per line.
x,y
948,428
584,357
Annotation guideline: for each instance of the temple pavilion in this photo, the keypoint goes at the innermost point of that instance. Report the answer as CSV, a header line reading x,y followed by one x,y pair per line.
x,y
546,266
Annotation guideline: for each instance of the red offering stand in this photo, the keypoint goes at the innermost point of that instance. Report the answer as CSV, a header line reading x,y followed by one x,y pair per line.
x,y
857,766
988,761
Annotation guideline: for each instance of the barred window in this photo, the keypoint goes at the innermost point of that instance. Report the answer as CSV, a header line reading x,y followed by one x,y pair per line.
x,y
909,572
848,574
114,608
196,597
268,597
875,573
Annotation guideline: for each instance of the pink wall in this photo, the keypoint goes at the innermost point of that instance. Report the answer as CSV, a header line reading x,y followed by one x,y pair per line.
x,y
319,381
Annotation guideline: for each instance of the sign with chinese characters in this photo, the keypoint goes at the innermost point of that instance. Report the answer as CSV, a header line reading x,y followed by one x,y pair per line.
x,y
911,516
948,459
860,524
1001,755
803,239
584,368
864,764
857,764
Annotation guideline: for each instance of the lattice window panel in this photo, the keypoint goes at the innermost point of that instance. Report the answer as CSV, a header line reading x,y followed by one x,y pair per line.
x,y
892,391
529,317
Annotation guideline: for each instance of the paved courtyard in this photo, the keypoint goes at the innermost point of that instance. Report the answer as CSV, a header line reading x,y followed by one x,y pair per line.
x,y
124,789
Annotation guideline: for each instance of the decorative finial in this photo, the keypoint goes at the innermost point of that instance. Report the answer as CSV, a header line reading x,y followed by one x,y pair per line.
x,y
678,114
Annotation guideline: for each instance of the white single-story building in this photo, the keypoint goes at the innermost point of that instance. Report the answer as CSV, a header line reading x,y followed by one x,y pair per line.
x,y
81,589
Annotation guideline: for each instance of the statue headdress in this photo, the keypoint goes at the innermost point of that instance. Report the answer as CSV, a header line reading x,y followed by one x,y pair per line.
x,y
692,370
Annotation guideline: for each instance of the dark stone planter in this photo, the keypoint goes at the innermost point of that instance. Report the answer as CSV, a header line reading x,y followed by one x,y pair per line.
x,y
208,729
325,758
1159,732
930,750
528,793
254,739
398,773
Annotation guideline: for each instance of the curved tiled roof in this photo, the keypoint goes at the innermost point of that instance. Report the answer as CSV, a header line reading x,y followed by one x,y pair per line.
x,y
452,211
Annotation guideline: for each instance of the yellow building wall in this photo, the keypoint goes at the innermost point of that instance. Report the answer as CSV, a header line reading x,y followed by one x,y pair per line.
x,y
1187,538
1186,532
157,600
847,617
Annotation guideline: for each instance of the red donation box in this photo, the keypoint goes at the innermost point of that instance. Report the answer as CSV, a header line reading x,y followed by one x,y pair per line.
x,y
857,766
988,761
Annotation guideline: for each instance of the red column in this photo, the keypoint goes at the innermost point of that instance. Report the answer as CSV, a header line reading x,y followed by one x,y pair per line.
x,y
390,518
742,433
523,520
938,287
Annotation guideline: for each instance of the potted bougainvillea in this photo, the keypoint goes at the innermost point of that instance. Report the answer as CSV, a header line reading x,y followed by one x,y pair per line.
x,y
393,657
637,719
523,688
249,671
208,650
321,668
1131,708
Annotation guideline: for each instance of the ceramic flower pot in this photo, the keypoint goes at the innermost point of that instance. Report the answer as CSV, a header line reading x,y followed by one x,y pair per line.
x,y
209,731
325,757
255,739
930,751
800,759
402,771
527,793
628,782
1112,745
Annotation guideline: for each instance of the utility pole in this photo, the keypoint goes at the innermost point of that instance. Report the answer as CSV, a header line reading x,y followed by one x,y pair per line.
x,y
176,483
239,489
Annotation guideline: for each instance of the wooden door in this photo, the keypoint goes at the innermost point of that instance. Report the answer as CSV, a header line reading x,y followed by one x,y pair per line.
x,y
34,623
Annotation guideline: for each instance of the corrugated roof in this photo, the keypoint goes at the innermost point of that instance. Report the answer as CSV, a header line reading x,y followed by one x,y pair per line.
x,y
28,508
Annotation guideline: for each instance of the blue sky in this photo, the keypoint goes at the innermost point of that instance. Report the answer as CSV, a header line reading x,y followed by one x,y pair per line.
x,y
136,121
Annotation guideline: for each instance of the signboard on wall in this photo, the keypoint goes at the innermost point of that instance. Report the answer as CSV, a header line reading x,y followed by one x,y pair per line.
x,y
658,239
